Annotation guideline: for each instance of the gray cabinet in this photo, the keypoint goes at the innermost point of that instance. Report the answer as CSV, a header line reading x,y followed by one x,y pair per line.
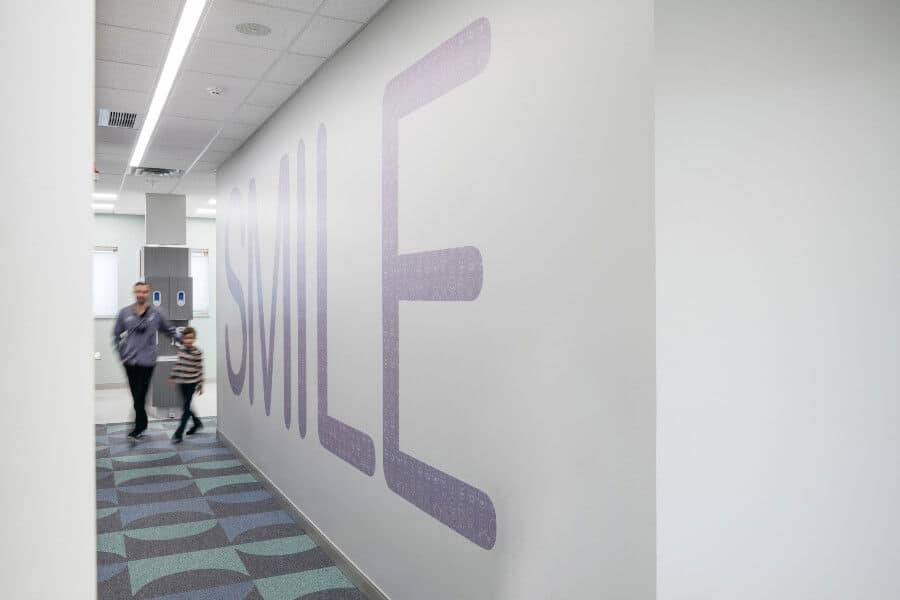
x,y
164,394
182,298
166,267
165,222
162,261
174,296
161,293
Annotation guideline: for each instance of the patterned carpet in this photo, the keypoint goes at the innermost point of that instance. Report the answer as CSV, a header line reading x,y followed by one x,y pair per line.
x,y
190,522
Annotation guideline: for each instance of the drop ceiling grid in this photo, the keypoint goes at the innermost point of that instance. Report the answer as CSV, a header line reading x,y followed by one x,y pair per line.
x,y
256,75
274,79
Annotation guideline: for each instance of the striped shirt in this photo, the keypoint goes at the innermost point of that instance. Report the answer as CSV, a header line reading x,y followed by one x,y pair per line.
x,y
189,367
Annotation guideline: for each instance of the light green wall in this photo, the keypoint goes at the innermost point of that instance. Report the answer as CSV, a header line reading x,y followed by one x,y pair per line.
x,y
127,233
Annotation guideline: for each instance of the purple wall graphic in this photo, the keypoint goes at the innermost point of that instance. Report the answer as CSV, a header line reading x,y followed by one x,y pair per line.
x,y
252,231
301,293
447,275
352,445
284,234
235,378
452,274
267,351
267,335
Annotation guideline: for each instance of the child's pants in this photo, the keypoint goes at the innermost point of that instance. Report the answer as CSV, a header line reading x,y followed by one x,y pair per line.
x,y
187,393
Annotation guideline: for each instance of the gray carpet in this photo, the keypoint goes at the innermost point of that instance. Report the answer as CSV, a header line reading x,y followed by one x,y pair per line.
x,y
191,522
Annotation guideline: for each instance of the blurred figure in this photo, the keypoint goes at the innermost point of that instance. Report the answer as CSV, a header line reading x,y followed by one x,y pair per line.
x,y
188,374
134,336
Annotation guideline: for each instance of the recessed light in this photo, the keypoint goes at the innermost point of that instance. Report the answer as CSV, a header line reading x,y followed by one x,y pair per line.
x,y
206,211
104,196
184,33
253,29
102,206
212,201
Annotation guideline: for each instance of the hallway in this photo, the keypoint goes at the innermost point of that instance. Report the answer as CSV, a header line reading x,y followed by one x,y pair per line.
x,y
489,299
192,522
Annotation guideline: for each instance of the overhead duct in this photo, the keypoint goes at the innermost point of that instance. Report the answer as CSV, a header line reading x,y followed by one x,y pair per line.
x,y
112,118
156,172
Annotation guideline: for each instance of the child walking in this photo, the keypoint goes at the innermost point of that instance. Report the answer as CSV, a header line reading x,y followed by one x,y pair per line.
x,y
188,374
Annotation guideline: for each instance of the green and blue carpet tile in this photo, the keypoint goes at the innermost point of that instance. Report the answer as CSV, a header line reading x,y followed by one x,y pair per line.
x,y
191,522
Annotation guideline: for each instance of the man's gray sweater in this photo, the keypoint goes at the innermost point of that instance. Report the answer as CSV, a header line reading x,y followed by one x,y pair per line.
x,y
135,336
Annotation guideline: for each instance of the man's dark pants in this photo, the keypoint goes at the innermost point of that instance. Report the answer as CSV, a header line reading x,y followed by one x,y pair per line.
x,y
139,382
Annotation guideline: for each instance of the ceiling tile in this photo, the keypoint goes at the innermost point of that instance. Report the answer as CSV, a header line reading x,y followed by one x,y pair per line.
x,y
125,77
324,36
121,100
226,14
112,148
229,59
121,136
225,144
190,125
177,151
181,132
271,94
201,168
195,83
110,165
170,157
160,16
190,97
237,131
309,6
208,108
294,69
252,114
130,46
215,158
164,161
355,10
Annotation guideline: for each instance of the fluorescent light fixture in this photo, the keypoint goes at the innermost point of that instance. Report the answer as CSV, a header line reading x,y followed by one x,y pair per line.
x,y
206,211
104,196
212,201
190,16
102,206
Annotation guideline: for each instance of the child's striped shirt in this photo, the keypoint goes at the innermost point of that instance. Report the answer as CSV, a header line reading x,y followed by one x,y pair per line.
x,y
189,367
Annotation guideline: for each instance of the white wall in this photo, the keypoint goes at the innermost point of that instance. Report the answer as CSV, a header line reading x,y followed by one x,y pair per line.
x,y
778,244
127,233
540,392
46,150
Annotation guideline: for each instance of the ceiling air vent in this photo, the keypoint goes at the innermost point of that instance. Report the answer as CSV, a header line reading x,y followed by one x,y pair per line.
x,y
111,118
156,172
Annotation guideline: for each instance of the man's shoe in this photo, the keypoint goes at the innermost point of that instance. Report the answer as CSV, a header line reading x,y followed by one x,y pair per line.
x,y
194,429
177,439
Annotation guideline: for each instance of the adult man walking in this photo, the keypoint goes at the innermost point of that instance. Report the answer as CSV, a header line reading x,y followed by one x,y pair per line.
x,y
134,336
